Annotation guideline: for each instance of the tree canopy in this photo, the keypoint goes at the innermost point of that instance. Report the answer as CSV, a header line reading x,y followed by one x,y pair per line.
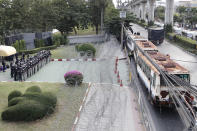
x,y
18,16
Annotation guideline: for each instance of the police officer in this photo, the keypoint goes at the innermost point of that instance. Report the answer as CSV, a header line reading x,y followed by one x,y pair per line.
x,y
15,72
3,64
23,56
12,70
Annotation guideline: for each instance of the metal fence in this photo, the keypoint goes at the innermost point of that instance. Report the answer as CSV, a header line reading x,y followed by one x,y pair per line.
x,y
88,38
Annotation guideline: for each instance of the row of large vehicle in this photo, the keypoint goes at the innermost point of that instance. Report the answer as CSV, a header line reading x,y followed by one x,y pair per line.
x,y
186,33
150,75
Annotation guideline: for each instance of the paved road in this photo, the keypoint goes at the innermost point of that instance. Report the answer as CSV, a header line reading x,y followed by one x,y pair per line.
x,y
168,119
110,108
101,71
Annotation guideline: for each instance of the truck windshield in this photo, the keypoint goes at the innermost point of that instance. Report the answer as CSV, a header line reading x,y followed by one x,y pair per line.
x,y
185,77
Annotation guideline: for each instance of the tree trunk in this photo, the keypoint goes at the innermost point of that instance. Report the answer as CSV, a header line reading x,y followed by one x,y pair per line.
x,y
97,29
102,12
75,30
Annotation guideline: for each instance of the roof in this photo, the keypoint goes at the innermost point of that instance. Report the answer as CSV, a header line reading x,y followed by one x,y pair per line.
x,y
149,63
146,45
155,28
166,63
138,37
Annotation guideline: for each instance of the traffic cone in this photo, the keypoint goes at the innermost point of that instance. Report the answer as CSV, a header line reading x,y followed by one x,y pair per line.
x,y
115,71
118,80
121,83
116,59
118,75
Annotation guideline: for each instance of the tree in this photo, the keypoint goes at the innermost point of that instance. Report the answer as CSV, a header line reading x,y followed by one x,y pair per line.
x,y
160,13
70,14
97,11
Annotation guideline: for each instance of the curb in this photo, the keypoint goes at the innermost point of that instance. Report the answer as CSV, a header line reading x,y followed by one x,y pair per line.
x,y
81,107
88,59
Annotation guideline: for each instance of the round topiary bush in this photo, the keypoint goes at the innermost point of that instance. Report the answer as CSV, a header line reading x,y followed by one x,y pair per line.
x,y
34,89
14,94
32,105
87,47
15,101
73,78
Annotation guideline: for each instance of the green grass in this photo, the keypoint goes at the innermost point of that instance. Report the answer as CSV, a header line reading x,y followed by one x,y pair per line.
x,y
64,52
69,100
89,31
69,52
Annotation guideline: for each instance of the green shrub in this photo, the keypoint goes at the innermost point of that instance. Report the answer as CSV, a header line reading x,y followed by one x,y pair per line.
x,y
143,21
59,39
34,89
185,41
15,101
27,110
77,47
168,28
182,40
150,23
39,43
14,94
33,51
170,36
19,45
73,77
30,106
86,47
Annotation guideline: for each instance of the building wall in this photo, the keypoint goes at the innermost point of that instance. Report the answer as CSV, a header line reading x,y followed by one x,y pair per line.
x,y
87,39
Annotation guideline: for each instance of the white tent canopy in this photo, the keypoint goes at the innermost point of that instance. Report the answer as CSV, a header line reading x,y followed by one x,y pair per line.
x,y
7,50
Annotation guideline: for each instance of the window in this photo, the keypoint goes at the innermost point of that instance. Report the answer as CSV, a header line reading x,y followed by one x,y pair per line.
x,y
185,77
182,76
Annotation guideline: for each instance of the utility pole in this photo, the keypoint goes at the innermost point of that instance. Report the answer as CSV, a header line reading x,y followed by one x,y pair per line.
x,y
102,13
122,16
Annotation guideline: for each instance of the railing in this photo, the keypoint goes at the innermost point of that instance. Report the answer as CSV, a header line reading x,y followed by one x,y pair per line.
x,y
147,119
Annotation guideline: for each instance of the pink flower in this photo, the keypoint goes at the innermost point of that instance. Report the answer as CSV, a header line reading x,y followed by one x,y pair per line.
x,y
74,72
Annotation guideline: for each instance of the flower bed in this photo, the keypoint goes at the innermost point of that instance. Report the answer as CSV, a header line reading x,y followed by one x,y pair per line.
x,y
73,77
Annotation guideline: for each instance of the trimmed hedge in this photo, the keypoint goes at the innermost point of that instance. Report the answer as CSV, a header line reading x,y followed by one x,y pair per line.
x,y
34,89
15,101
14,94
33,51
86,47
30,106
184,41
27,110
